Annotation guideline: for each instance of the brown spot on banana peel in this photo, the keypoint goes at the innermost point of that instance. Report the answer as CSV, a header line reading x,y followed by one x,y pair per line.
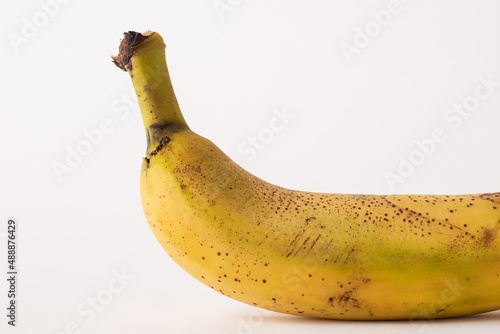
x,y
314,242
161,144
488,236
344,299
438,311
160,133
163,141
349,297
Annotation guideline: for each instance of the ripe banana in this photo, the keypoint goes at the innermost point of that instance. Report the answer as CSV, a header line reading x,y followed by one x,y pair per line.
x,y
340,256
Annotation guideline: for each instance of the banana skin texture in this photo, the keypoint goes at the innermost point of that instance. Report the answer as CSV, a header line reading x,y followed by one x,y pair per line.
x,y
337,256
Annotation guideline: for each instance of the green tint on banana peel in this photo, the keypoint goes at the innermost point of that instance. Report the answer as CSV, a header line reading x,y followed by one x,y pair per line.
x,y
339,256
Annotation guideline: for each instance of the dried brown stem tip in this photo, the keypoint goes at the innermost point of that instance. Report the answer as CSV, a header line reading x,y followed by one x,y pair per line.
x,y
130,41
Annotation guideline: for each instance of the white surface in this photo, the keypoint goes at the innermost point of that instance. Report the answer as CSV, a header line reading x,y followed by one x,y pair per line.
x,y
353,121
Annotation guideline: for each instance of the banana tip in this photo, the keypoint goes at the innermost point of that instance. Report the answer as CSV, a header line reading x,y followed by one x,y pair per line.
x,y
130,41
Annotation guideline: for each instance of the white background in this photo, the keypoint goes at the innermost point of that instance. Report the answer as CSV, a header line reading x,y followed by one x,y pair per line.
x,y
355,119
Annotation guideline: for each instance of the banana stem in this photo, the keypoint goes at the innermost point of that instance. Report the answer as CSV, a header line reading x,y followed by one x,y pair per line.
x,y
143,57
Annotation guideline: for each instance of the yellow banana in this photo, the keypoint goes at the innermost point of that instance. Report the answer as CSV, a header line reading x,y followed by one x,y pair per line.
x,y
341,256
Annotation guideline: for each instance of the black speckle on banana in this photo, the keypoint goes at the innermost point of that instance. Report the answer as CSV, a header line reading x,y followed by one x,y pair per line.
x,y
340,256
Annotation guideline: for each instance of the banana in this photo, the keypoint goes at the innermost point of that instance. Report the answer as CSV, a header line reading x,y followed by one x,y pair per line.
x,y
337,256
